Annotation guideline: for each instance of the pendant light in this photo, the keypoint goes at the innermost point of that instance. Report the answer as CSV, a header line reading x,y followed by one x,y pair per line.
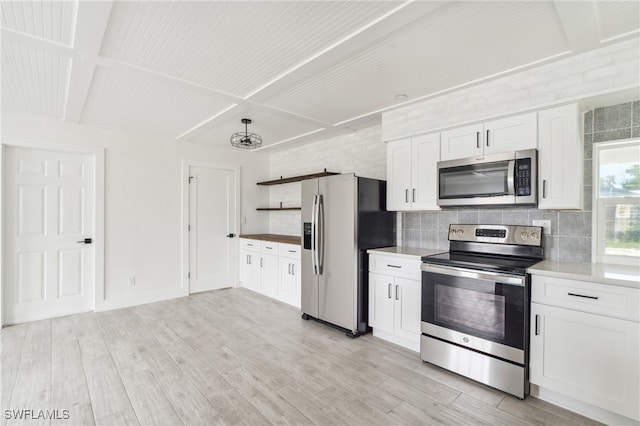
x,y
246,140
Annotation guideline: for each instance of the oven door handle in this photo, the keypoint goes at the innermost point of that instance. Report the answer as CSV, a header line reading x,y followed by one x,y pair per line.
x,y
479,275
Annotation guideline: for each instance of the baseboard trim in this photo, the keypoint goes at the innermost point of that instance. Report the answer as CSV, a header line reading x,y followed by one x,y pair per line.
x,y
580,407
141,299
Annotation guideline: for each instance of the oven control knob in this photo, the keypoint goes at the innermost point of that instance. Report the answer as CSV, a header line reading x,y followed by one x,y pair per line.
x,y
465,339
524,235
535,235
461,231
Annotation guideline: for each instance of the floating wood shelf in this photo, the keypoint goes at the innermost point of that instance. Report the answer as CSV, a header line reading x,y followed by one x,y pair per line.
x,y
278,208
297,178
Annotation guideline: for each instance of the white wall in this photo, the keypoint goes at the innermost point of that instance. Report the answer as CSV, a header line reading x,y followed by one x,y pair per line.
x,y
143,204
598,73
362,153
606,70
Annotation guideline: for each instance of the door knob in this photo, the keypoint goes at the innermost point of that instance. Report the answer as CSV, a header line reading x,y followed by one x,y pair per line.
x,y
231,235
85,241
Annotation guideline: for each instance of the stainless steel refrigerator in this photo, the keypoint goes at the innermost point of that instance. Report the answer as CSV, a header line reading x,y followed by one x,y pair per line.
x,y
342,217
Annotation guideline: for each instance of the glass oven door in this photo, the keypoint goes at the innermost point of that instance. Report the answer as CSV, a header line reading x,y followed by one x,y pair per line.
x,y
485,311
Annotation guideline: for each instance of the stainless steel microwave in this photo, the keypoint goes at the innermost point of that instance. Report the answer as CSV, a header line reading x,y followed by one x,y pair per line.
x,y
499,179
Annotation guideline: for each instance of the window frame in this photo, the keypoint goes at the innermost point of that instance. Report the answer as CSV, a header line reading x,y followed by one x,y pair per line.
x,y
599,205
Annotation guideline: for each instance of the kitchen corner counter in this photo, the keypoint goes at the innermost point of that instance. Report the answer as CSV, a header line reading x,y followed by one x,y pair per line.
x,y
275,238
604,273
406,252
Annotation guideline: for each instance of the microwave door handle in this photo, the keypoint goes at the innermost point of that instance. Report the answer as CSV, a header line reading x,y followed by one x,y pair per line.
x,y
511,171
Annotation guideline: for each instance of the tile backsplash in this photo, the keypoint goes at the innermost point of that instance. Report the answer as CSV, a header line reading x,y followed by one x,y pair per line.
x,y
570,238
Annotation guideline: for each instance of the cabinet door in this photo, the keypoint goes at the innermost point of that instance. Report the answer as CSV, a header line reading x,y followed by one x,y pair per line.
x,y
399,175
588,357
461,142
560,158
269,275
511,134
381,302
424,186
248,275
296,282
407,295
289,281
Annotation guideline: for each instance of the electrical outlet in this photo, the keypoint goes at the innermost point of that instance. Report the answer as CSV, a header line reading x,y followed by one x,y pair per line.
x,y
546,224
132,281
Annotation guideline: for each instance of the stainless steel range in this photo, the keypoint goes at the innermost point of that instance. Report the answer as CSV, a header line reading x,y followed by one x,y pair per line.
x,y
475,304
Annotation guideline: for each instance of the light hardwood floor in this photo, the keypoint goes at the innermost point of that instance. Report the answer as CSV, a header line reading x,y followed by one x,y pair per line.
x,y
235,357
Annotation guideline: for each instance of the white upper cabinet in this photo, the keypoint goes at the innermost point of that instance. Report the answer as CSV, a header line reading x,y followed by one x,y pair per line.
x,y
398,174
511,134
462,142
560,158
502,135
412,173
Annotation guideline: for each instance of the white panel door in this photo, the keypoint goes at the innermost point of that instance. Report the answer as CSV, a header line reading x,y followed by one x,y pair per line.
x,y
212,214
49,199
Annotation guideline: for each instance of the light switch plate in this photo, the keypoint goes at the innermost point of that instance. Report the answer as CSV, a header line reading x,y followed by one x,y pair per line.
x,y
546,224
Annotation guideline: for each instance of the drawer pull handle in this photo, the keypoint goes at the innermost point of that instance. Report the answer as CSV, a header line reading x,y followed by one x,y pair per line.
x,y
291,251
394,266
582,295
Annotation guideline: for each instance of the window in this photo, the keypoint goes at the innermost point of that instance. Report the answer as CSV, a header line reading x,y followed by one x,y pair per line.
x,y
616,202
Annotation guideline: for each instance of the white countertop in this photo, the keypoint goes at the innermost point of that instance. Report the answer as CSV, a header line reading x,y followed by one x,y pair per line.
x,y
408,252
605,273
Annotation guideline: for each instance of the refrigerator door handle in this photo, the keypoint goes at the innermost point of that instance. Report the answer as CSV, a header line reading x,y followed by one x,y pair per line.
x,y
319,232
314,235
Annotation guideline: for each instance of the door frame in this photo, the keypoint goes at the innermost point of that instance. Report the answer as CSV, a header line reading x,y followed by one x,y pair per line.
x,y
98,156
184,230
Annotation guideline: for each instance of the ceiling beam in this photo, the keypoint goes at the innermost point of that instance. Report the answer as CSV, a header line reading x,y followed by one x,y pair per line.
x,y
91,24
37,42
580,22
166,79
397,18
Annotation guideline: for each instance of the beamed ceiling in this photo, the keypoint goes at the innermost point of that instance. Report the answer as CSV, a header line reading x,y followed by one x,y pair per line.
x,y
301,70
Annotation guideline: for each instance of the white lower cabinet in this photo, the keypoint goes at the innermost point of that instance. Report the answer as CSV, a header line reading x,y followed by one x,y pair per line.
x,y
250,269
269,275
289,281
272,269
394,300
579,352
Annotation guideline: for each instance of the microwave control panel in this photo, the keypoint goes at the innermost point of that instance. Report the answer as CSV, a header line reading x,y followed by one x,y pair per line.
x,y
523,177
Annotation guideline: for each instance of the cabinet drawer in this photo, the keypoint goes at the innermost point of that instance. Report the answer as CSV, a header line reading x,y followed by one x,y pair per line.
x,y
289,250
269,247
247,244
610,300
395,266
